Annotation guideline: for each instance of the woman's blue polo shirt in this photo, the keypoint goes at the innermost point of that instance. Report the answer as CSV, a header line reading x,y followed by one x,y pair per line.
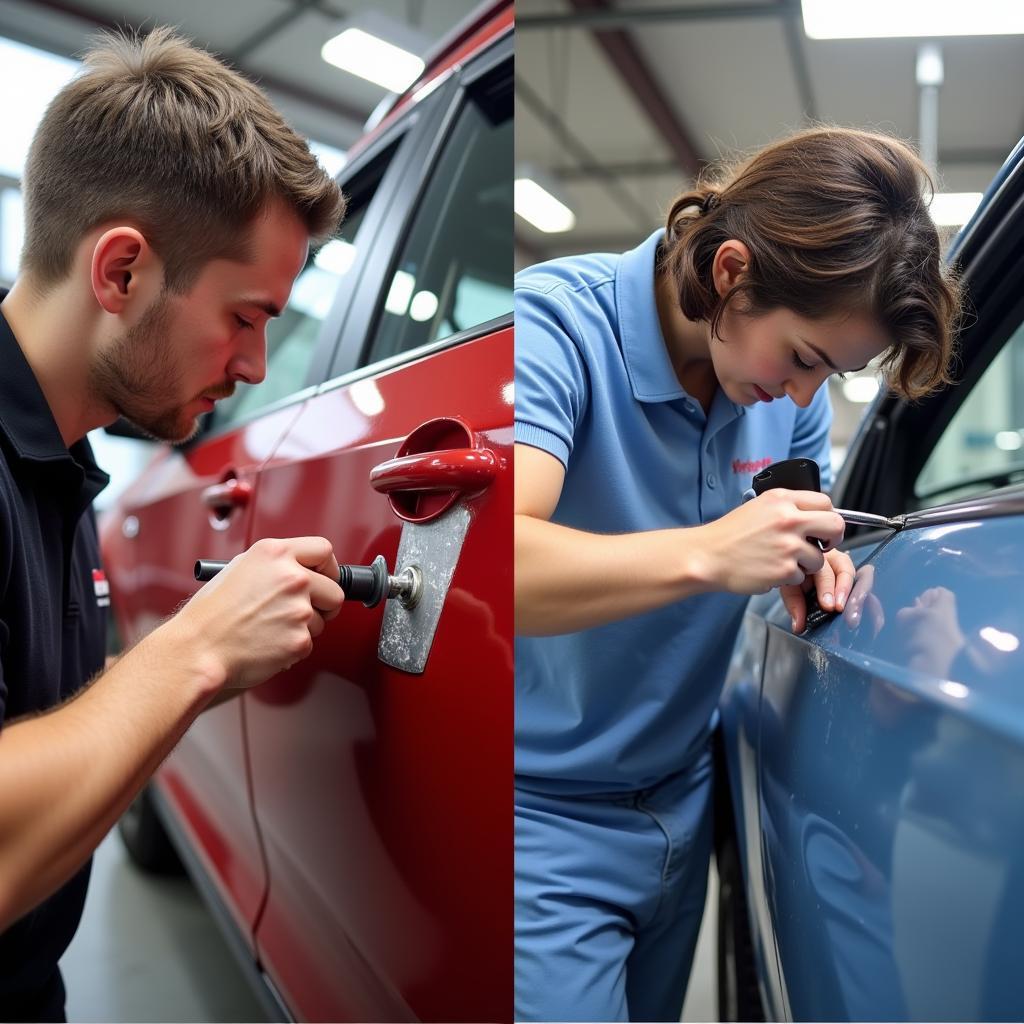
x,y
622,706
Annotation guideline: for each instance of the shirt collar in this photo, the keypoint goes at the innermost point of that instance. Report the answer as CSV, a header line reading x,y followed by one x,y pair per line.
x,y
644,352
651,374
27,422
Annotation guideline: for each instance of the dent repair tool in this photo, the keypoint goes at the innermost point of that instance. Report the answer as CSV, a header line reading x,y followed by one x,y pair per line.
x,y
370,584
804,475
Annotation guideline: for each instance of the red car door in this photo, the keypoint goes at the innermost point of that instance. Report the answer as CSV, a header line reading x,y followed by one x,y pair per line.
x,y
188,504
381,793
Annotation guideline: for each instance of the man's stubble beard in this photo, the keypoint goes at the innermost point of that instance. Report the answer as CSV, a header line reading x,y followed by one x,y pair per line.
x,y
138,374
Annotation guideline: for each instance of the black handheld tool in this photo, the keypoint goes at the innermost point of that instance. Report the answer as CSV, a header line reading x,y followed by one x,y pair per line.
x,y
804,475
793,474
370,584
797,475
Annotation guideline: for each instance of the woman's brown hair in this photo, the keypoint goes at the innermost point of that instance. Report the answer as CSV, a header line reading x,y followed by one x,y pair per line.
x,y
161,133
836,220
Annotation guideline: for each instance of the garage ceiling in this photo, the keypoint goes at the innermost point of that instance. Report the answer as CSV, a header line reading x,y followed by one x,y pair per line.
x,y
276,42
622,102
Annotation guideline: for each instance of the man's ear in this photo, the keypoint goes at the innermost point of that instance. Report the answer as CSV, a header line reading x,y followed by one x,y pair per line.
x,y
123,268
731,262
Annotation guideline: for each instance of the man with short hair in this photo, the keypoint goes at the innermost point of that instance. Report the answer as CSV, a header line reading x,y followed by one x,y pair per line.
x,y
168,211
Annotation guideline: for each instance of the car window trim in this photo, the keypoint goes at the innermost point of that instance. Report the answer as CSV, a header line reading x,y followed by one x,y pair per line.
x,y
999,191
390,227
355,343
400,138
500,323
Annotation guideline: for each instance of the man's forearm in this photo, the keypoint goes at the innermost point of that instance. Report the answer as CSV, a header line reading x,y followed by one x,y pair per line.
x,y
70,773
567,580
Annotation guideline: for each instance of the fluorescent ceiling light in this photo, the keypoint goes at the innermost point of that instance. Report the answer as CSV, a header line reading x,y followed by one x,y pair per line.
x,y
998,639
929,68
402,285
372,58
423,306
538,206
953,209
336,257
860,389
866,19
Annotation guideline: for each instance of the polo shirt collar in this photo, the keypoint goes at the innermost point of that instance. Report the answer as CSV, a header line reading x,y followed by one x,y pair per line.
x,y
27,422
644,351
651,374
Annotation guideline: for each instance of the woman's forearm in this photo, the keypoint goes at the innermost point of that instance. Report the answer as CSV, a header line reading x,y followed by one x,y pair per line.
x,y
568,580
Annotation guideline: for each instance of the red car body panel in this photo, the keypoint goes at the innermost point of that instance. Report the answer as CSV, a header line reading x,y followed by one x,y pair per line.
x,y
207,776
396,904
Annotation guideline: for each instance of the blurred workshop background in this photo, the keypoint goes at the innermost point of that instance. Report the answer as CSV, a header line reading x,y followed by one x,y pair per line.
x,y
619,106
147,948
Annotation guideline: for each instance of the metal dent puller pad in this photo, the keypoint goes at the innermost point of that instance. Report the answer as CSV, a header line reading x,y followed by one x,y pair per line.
x,y
370,584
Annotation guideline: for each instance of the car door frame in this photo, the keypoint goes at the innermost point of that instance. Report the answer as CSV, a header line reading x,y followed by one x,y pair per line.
x,y
357,333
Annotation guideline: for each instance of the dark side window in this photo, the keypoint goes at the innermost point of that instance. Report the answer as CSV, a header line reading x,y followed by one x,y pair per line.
x,y
454,271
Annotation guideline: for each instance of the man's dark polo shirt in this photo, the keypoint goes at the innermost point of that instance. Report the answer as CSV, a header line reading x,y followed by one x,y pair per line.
x,y
53,620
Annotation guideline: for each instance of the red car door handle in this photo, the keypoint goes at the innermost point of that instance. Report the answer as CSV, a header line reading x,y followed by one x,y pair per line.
x,y
455,469
230,494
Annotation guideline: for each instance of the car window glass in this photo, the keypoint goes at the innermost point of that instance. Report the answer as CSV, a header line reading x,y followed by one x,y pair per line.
x,y
454,271
292,337
983,446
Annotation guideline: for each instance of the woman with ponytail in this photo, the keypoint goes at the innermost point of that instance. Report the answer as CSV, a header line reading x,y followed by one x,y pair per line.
x,y
650,387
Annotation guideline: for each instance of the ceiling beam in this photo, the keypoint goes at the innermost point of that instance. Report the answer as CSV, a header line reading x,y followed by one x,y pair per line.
x,y
271,29
639,80
576,149
617,18
664,168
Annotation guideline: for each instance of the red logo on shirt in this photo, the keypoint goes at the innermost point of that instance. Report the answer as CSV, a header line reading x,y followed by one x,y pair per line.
x,y
741,466
101,588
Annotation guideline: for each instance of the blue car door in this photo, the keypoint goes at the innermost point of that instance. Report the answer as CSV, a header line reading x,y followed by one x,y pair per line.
x,y
891,739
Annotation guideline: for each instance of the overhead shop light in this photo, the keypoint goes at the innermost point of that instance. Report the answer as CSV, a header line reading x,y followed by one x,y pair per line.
x,y
860,389
537,201
954,209
926,19
379,49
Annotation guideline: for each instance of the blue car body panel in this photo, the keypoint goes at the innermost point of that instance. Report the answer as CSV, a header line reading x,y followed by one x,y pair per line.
x,y
876,768
892,788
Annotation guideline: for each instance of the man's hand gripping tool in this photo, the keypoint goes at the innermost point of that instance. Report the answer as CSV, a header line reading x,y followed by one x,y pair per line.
x,y
370,584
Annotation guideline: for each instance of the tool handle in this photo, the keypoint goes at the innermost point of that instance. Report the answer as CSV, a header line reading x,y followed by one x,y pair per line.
x,y
367,583
794,474
206,568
